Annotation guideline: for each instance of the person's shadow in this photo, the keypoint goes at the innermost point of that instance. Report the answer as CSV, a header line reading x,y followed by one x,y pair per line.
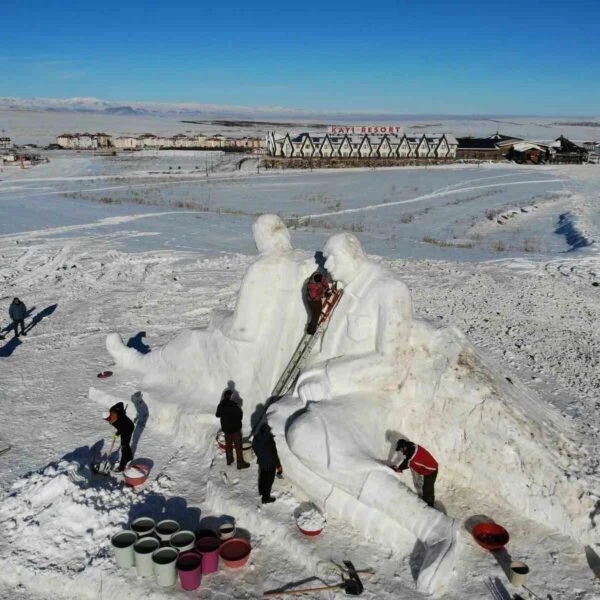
x,y
40,316
9,347
235,395
142,414
156,506
137,343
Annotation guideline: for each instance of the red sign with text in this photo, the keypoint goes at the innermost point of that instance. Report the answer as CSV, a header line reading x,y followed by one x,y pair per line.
x,y
365,129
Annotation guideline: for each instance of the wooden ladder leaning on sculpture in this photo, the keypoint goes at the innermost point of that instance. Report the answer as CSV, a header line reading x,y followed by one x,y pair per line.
x,y
307,343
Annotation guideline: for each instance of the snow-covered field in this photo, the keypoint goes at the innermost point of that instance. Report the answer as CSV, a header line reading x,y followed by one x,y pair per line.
x,y
140,246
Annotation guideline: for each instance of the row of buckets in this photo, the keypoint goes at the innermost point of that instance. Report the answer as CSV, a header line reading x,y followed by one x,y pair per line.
x,y
164,551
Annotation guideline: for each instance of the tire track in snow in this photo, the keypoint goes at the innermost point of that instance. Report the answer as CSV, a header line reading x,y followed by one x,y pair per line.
x,y
436,194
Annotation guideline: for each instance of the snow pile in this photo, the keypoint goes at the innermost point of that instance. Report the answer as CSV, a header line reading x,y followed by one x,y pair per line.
x,y
52,517
310,519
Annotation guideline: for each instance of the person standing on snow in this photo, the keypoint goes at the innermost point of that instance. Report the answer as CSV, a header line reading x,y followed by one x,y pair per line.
x,y
124,426
423,466
317,290
231,423
267,458
17,312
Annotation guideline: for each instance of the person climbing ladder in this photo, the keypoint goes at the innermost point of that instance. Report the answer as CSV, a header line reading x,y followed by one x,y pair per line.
x,y
317,290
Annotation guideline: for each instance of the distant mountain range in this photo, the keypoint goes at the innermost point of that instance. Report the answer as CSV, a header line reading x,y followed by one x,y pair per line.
x,y
179,110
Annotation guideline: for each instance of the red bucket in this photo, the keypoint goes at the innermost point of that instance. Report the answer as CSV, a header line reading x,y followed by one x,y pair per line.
x,y
136,474
490,536
235,552
105,374
220,439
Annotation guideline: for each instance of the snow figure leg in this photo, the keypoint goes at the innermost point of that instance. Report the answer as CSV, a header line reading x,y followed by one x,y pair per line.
x,y
329,462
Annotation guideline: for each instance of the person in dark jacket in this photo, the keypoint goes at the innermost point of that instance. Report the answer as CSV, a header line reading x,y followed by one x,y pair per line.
x,y
124,426
317,291
267,458
423,466
231,423
17,312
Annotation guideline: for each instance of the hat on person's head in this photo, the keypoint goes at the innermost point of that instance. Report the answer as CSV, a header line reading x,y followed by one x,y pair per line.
x,y
401,444
118,409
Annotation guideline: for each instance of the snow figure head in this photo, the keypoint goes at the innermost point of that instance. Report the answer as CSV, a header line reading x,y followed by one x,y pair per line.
x,y
271,235
345,257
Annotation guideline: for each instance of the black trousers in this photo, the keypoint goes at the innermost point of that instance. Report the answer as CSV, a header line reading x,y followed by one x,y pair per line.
x,y
428,488
16,326
315,307
126,452
266,477
234,440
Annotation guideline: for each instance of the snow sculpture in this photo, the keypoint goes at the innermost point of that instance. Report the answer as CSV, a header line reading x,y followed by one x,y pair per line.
x,y
379,375
250,346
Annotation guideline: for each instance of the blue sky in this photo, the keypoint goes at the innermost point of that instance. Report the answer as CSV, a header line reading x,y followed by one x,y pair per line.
x,y
435,57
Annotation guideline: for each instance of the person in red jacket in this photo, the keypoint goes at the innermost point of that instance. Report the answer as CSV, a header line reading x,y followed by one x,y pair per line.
x,y
317,291
422,464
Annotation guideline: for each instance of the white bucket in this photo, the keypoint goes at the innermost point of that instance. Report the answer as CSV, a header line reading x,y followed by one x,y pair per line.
x,y
165,529
247,451
518,573
122,544
226,531
183,540
143,526
164,560
143,549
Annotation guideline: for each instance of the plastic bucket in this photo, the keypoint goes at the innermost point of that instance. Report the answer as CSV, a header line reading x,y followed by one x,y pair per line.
x,y
164,560
236,552
226,531
122,544
518,573
247,452
143,549
183,540
165,529
143,526
189,567
208,548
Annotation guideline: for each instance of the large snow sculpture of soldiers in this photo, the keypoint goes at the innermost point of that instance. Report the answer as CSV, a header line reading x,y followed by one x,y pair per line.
x,y
381,375
250,346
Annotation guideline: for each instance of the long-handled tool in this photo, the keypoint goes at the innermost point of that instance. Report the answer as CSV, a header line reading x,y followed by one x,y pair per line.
x,y
103,467
352,586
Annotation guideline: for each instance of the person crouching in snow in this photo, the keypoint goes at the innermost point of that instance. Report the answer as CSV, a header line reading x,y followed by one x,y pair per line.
x,y
317,290
267,458
124,426
423,466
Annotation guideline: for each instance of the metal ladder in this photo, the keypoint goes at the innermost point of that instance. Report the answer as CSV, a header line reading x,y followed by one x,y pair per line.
x,y
304,348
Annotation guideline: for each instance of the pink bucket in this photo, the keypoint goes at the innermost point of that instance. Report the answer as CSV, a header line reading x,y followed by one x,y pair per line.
x,y
189,567
208,548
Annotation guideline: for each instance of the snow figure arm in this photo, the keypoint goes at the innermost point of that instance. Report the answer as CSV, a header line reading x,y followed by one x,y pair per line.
x,y
313,386
380,336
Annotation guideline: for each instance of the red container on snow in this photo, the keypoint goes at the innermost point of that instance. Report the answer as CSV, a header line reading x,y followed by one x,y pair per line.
x,y
235,552
490,536
136,474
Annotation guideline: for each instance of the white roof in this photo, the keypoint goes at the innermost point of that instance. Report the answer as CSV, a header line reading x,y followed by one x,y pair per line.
x,y
524,146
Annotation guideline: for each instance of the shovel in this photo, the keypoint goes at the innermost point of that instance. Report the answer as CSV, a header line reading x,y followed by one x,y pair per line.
x,y
103,467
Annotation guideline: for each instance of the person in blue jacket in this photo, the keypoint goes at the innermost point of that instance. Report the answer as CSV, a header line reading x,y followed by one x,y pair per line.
x,y
17,312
